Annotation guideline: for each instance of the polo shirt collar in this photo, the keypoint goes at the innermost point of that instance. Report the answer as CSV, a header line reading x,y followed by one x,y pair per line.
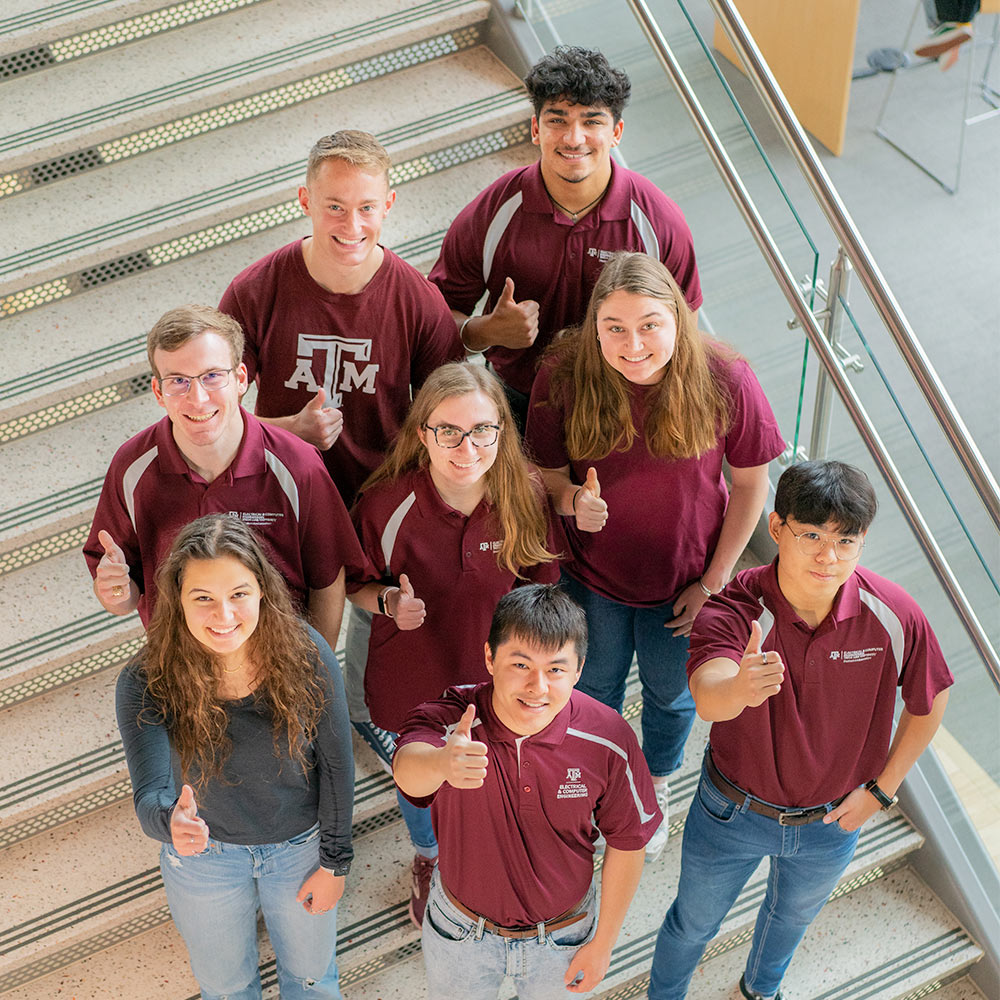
x,y
846,603
429,502
616,204
553,734
249,460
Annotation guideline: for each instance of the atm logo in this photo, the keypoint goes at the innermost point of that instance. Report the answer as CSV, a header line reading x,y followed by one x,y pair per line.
x,y
343,362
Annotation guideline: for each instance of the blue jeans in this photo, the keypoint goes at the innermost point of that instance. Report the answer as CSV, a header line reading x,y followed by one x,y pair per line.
x,y
214,897
418,821
723,844
616,633
463,960
359,630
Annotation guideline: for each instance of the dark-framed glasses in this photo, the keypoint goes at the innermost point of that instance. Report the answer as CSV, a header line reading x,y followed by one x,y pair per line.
x,y
811,543
179,385
482,435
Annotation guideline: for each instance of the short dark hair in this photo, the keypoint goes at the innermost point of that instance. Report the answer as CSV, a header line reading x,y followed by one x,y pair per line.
x,y
542,614
581,76
822,491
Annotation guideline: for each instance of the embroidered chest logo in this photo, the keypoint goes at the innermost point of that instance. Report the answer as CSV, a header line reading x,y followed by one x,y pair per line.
x,y
601,255
490,546
343,367
856,655
572,787
258,518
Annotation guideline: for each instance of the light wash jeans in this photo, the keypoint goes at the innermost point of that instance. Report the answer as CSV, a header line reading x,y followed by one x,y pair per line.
x,y
723,845
617,632
359,630
214,897
463,960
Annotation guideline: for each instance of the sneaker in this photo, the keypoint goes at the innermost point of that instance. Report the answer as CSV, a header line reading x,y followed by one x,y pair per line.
x,y
380,740
656,843
423,869
750,995
945,37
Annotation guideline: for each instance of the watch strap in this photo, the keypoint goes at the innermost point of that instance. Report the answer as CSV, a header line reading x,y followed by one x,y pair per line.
x,y
885,801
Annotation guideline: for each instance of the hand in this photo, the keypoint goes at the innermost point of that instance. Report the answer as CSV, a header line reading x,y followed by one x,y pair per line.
x,y
318,424
757,680
321,891
464,760
188,832
114,585
592,960
409,612
859,806
689,602
513,324
591,511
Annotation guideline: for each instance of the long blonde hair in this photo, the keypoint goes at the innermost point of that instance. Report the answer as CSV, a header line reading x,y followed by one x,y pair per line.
x,y
183,677
512,486
688,409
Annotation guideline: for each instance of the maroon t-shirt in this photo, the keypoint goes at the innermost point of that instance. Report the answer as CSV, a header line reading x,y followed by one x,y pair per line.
x,y
827,730
520,849
366,350
512,229
451,561
276,483
664,515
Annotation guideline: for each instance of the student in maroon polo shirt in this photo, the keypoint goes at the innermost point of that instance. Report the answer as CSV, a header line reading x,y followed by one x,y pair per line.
x,y
631,417
537,238
797,665
208,455
455,514
522,772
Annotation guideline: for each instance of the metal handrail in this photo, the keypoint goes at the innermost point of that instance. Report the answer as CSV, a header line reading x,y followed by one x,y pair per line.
x,y
790,288
867,270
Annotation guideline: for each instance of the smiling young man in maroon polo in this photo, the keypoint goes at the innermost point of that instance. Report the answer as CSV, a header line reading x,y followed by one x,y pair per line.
x,y
797,665
521,773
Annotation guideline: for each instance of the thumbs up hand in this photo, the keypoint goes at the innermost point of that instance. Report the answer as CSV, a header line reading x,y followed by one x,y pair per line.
x,y
591,511
409,611
513,324
188,832
761,674
464,760
112,581
318,424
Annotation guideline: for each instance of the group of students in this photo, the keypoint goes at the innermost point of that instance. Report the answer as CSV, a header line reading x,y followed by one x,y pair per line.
x,y
499,588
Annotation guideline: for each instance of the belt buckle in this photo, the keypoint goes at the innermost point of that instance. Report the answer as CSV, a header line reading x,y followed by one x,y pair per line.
x,y
793,817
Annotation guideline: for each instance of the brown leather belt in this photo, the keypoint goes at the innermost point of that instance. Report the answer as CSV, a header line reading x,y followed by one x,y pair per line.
x,y
786,817
563,920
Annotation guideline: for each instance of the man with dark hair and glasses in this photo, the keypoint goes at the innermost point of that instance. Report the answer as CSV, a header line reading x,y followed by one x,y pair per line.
x,y
796,664
209,455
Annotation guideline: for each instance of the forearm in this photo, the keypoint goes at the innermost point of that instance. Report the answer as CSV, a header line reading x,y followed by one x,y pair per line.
x,y
288,423
367,597
476,336
417,769
913,734
746,501
326,609
715,690
561,488
619,879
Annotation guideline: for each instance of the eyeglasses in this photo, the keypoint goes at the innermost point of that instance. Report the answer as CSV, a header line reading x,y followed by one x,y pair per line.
x,y
811,543
482,435
179,385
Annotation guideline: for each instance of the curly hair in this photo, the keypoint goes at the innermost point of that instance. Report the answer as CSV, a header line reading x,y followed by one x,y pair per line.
x,y
581,76
689,408
512,485
183,676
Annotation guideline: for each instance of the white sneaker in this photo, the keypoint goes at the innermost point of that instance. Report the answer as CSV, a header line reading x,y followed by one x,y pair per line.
x,y
654,848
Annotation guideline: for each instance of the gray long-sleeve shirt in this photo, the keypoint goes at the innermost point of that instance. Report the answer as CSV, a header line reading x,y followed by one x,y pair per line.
x,y
260,797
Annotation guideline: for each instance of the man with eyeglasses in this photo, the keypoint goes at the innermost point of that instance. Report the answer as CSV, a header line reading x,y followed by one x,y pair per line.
x,y
209,455
796,664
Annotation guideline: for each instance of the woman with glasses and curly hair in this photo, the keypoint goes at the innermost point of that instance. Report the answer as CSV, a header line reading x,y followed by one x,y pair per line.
x,y
453,519
631,417
238,745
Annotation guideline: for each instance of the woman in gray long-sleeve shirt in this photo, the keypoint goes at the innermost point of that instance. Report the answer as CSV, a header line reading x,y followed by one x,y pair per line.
x,y
238,744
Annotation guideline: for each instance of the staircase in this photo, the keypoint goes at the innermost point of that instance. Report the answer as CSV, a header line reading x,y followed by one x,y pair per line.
x,y
148,154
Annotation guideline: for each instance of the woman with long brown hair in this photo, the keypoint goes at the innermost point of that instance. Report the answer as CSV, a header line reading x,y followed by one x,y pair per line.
x,y
453,519
238,745
631,416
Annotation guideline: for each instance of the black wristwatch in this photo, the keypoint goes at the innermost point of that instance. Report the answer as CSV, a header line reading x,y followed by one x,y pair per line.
x,y
883,800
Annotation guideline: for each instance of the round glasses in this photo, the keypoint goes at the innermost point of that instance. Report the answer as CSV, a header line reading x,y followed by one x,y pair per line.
x,y
811,543
180,385
482,435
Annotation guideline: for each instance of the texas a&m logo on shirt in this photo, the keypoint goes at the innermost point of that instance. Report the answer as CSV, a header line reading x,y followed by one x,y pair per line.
x,y
856,655
572,787
342,360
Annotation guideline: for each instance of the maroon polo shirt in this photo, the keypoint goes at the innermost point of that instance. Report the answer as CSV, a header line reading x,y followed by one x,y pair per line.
x,y
520,849
366,350
451,561
664,515
276,483
512,229
828,729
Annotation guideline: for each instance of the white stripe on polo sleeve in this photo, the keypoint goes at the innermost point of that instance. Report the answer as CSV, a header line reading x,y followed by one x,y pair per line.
x,y
495,233
131,480
285,479
391,531
889,621
614,748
